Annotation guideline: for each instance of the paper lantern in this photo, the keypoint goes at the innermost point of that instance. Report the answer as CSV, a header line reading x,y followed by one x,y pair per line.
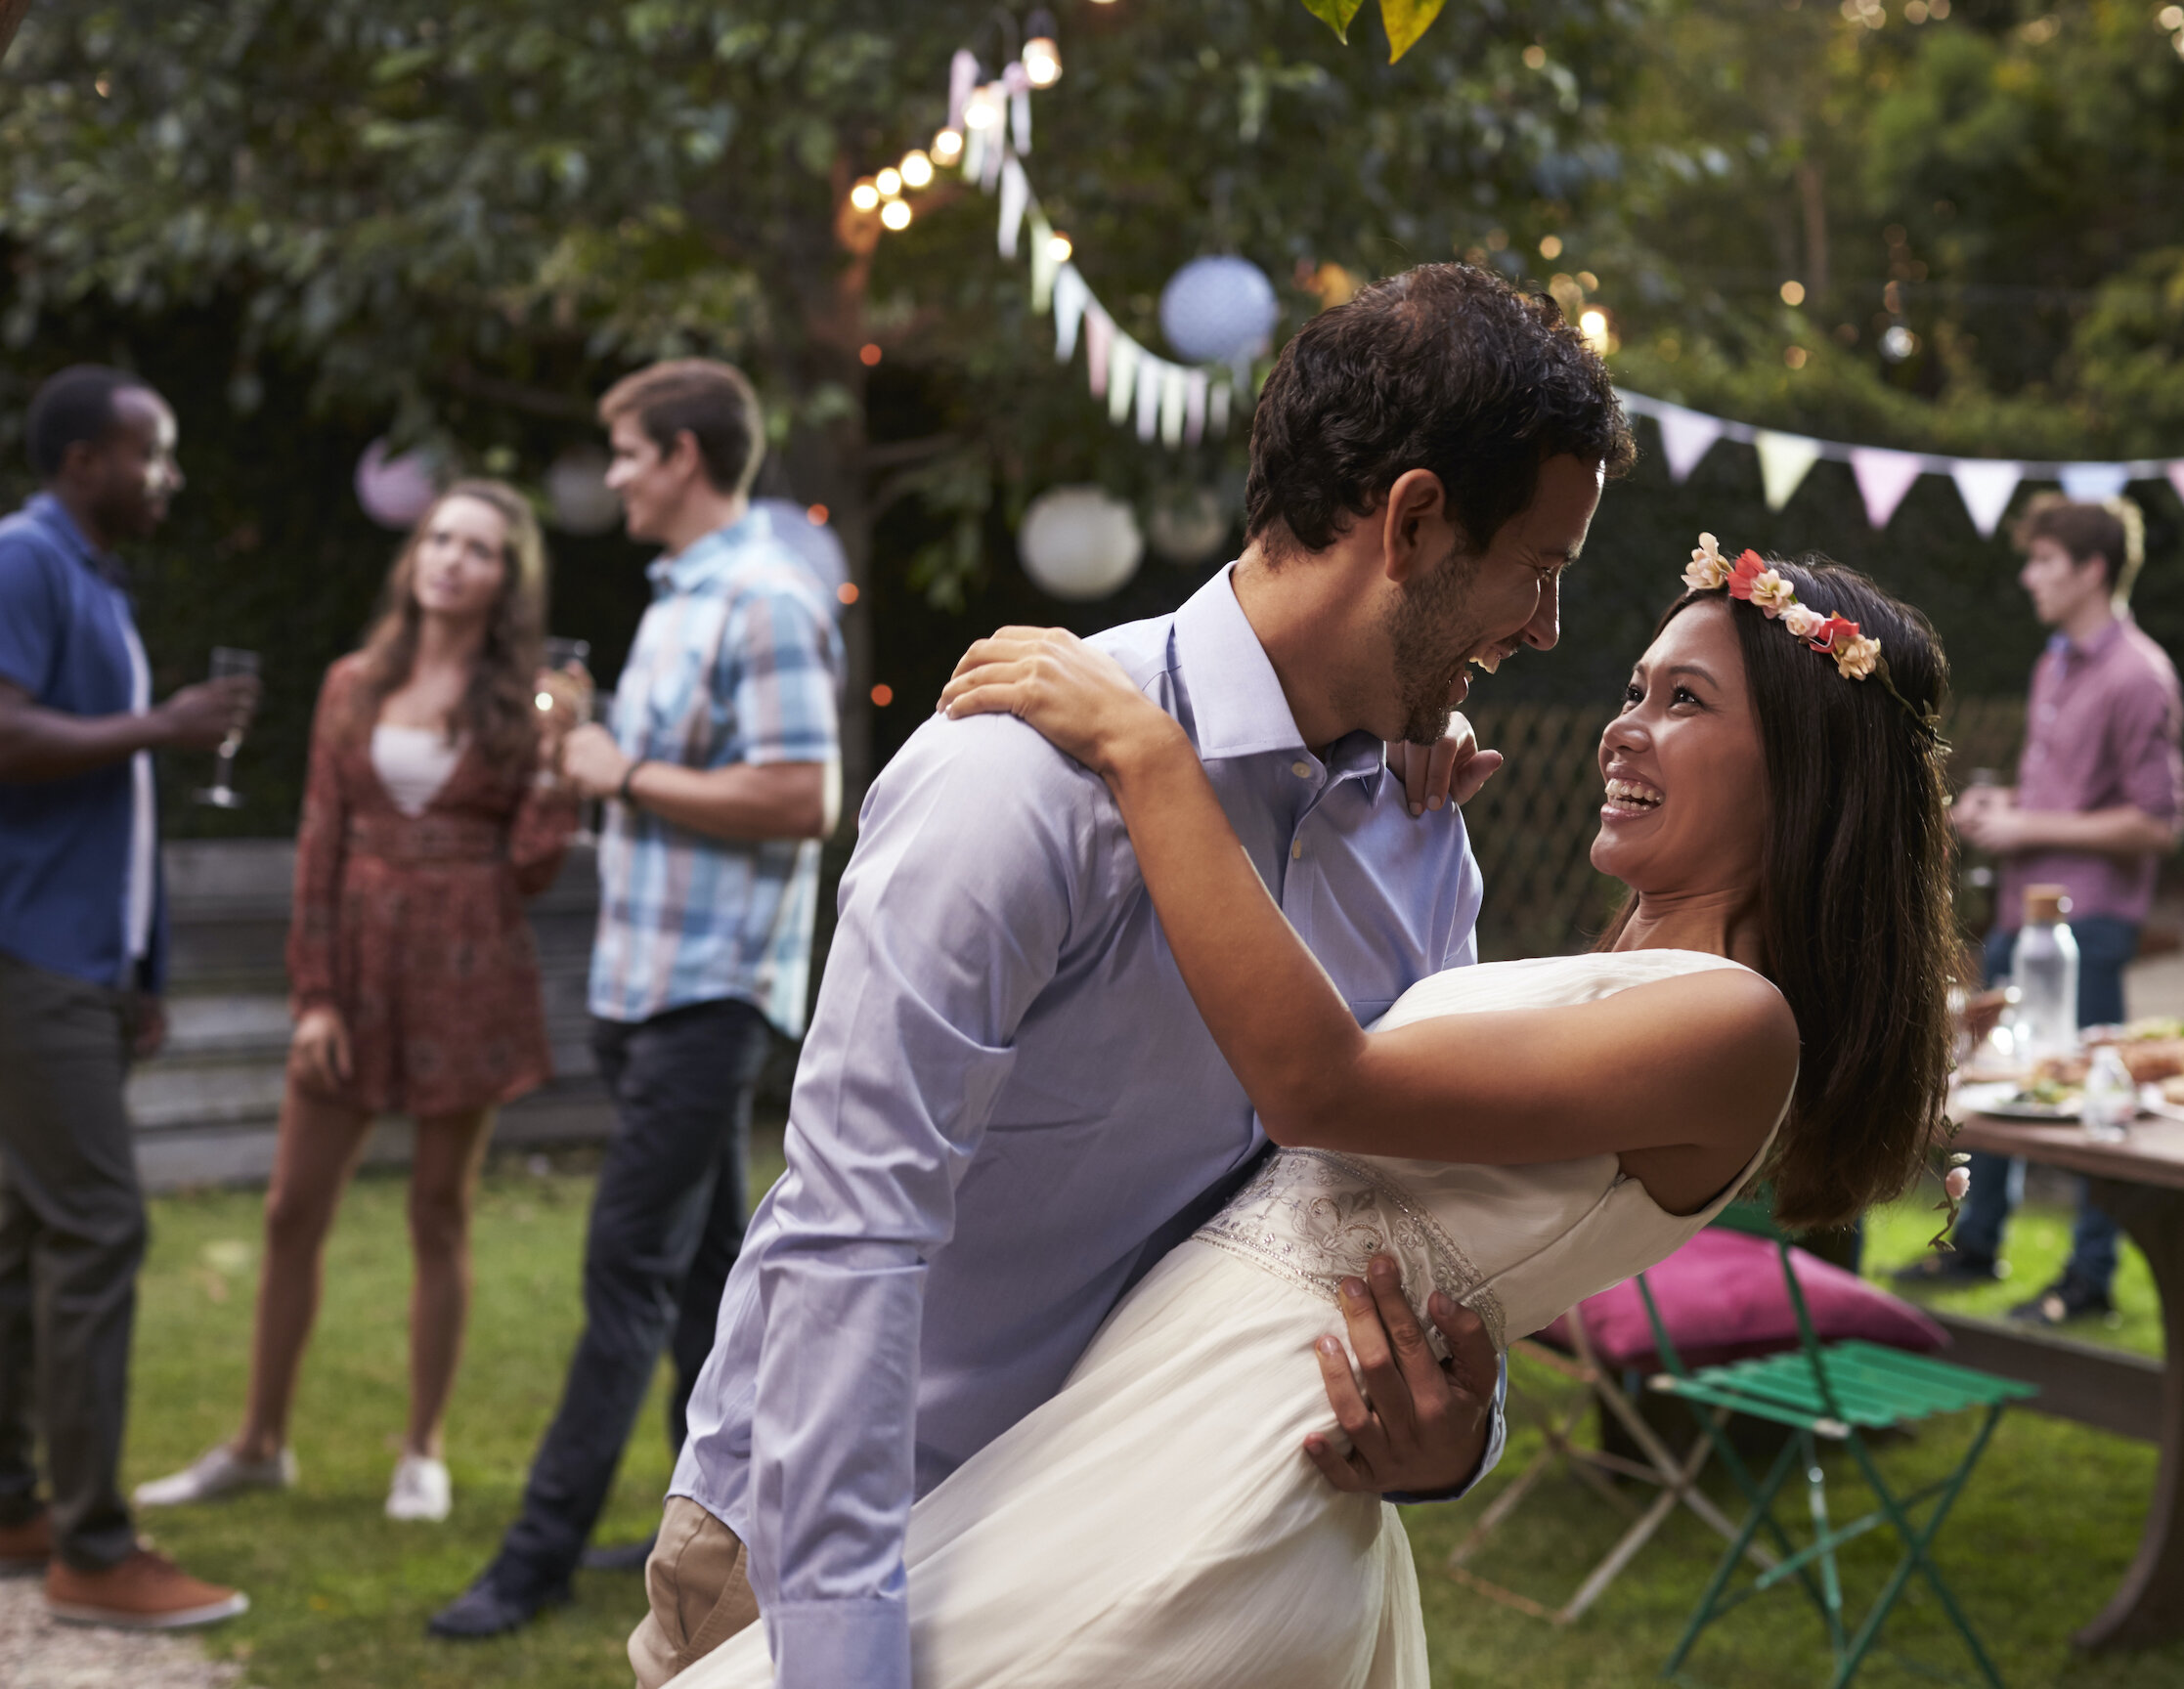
x,y
1080,543
395,491
1218,310
578,492
1188,528
813,544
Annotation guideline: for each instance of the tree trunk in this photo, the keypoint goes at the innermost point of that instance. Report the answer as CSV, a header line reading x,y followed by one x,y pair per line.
x,y
10,17
1811,189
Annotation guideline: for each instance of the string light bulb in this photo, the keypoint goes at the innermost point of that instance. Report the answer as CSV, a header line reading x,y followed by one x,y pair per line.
x,y
947,147
1058,247
895,214
917,168
982,111
1594,325
889,181
864,195
1042,58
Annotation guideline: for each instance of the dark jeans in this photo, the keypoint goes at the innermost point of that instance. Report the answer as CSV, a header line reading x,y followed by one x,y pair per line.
x,y
666,1221
71,1238
2105,945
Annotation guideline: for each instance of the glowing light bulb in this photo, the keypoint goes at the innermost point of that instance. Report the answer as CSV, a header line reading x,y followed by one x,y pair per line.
x,y
947,146
864,197
1042,61
895,214
917,168
982,111
1058,247
1594,326
889,181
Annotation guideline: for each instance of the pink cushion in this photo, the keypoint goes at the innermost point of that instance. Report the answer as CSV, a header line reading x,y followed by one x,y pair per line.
x,y
1722,1298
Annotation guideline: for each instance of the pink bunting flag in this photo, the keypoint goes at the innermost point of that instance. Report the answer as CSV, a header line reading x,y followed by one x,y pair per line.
x,y
963,76
1099,344
1193,413
2176,476
1883,478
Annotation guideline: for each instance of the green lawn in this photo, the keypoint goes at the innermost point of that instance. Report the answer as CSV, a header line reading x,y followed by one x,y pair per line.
x,y
340,1595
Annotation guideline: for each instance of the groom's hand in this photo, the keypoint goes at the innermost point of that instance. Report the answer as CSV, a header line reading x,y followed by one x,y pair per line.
x,y
1418,1426
1450,770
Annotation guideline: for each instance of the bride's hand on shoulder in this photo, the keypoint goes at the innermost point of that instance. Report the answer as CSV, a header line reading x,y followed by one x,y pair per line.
x,y
1080,699
1450,770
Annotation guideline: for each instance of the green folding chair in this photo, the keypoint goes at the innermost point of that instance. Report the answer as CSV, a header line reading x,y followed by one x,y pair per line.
x,y
1836,1392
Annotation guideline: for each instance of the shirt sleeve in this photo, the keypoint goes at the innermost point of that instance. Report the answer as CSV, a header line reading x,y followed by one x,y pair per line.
x,y
2149,769
30,612
953,915
781,665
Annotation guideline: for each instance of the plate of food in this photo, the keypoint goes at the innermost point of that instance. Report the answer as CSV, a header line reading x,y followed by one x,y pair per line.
x,y
2039,1098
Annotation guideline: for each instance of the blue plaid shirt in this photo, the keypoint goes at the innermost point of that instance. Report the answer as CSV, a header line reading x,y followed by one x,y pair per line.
x,y
736,661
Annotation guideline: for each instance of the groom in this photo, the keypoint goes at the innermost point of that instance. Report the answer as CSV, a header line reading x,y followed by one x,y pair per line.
x,y
1006,1107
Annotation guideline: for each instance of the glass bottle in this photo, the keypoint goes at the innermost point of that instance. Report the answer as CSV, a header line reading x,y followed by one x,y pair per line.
x,y
2110,1100
2044,970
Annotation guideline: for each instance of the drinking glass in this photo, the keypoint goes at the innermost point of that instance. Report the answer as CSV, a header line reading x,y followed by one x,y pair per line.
x,y
564,656
228,664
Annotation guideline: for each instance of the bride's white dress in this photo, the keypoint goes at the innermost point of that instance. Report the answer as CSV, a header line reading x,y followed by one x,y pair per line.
x,y
1157,1520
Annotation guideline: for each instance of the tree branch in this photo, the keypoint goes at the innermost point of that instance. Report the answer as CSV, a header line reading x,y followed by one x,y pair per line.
x,y
10,17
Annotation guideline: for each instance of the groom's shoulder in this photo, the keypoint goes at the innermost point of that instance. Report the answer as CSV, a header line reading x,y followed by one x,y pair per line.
x,y
1145,649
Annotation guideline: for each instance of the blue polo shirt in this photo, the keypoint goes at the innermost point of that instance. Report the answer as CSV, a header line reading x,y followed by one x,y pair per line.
x,y
66,638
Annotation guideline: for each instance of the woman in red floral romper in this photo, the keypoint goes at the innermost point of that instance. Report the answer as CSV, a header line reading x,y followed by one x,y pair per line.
x,y
429,815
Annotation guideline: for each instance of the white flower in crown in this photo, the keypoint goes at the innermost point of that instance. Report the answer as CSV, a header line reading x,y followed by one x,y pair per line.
x,y
1856,655
1774,594
1801,622
1708,568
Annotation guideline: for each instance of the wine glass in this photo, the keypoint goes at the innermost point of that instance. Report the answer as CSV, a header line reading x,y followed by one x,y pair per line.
x,y
228,664
564,656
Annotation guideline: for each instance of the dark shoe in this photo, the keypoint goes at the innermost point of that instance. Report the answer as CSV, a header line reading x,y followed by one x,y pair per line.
x,y
26,1548
2068,1298
145,1592
622,1557
1946,1269
491,1608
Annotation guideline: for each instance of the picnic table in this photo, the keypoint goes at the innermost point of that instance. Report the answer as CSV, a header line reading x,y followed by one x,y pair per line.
x,y
2140,1182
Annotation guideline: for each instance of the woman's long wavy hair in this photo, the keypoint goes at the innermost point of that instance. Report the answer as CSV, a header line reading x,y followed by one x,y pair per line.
x,y
497,710
1855,889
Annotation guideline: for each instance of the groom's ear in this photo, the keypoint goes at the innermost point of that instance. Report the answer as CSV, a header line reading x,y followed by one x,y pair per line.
x,y
1417,526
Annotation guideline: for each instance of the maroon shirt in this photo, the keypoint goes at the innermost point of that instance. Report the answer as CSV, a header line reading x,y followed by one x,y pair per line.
x,y
2101,731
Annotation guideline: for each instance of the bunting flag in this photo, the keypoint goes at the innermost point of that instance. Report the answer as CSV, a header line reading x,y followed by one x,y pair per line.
x,y
1149,394
1883,478
1099,345
1987,485
1069,296
1172,382
1015,200
1045,266
1784,461
1122,377
1194,408
1885,475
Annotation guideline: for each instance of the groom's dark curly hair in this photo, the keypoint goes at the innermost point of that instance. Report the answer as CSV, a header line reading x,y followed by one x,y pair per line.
x,y
1443,368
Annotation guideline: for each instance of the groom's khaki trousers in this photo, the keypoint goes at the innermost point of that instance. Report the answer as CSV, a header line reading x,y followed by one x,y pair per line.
x,y
699,1585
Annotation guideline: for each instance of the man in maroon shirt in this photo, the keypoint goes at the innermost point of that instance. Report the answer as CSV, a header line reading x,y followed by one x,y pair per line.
x,y
2099,791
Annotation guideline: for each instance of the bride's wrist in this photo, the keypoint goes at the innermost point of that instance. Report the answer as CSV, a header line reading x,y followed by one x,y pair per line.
x,y
1143,750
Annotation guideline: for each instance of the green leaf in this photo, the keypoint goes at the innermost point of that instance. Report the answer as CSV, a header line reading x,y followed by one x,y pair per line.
x,y
1336,15
1405,20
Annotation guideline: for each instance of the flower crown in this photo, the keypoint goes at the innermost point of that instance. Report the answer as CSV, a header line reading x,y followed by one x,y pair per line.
x,y
1856,654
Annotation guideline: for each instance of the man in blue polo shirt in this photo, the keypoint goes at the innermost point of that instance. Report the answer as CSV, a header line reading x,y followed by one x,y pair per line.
x,y
82,955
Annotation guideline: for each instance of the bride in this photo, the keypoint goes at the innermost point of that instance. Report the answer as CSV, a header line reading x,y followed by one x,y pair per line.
x,y
1768,1001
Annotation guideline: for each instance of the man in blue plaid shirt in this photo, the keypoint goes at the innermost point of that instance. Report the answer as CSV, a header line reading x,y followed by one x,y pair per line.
x,y
722,760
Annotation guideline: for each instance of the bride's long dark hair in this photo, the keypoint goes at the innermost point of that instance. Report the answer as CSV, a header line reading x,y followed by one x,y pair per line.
x,y
1855,891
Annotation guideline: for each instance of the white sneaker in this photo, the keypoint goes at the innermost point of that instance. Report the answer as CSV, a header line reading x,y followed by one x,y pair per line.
x,y
218,1472
421,1490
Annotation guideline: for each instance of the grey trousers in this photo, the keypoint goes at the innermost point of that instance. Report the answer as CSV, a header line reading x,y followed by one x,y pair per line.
x,y
71,1238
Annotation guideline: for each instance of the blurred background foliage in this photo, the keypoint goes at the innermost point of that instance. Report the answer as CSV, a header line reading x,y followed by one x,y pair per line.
x,y
313,224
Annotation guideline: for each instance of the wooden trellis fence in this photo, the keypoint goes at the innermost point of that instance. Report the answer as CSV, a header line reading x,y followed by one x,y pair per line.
x,y
1533,826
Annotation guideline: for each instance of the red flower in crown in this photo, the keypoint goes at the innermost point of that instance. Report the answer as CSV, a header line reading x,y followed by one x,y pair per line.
x,y
1749,568
1827,633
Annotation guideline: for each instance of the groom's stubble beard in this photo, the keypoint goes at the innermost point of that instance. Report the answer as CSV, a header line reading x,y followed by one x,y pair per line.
x,y
1432,633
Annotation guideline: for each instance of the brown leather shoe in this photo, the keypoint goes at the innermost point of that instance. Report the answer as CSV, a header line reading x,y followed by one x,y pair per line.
x,y
26,1548
146,1591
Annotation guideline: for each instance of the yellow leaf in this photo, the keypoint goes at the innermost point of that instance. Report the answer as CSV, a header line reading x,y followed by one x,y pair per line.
x,y
1335,14
1405,20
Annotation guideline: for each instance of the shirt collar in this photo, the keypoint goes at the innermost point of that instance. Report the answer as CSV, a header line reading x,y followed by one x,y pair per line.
x,y
2103,643
1236,697
705,560
47,509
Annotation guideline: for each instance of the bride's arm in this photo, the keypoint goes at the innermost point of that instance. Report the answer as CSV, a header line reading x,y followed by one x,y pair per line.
x,y
1697,1062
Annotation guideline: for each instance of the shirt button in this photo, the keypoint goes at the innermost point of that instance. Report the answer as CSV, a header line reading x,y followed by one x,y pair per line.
x,y
1302,770
1296,849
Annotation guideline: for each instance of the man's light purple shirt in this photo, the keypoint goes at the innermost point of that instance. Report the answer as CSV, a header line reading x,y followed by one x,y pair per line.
x,y
1008,1108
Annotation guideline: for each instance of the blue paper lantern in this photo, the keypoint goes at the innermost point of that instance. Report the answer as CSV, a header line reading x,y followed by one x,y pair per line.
x,y
1218,310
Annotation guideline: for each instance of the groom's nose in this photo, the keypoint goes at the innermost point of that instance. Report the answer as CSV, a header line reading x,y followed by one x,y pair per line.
x,y
1545,625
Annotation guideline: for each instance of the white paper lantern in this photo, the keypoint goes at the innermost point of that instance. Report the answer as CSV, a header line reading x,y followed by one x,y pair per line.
x,y
576,489
395,491
1218,310
814,544
1188,528
1080,543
